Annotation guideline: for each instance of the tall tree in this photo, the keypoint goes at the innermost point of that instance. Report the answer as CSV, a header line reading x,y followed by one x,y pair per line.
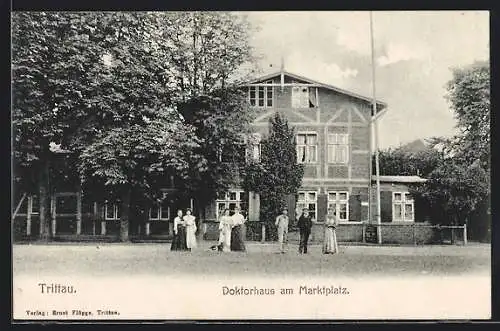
x,y
469,97
222,123
278,174
78,75
209,48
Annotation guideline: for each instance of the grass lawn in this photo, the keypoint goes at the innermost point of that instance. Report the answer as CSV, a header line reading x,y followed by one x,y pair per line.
x,y
260,259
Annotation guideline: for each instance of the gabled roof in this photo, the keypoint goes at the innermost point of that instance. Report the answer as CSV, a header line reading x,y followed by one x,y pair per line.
x,y
380,103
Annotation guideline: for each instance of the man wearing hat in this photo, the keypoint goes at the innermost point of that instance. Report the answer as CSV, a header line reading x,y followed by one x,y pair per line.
x,y
304,224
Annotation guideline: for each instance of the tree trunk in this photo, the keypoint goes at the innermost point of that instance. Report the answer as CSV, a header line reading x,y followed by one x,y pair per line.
x,y
45,214
125,216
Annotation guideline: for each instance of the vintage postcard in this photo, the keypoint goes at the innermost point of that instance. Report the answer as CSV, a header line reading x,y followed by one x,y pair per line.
x,y
251,165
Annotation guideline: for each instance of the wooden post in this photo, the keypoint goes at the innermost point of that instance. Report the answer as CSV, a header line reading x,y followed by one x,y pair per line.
x,y
94,218
103,227
414,235
364,232
78,213
53,213
147,228
28,216
465,234
263,240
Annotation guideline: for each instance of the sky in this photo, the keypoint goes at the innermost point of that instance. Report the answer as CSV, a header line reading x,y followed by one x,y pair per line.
x,y
414,53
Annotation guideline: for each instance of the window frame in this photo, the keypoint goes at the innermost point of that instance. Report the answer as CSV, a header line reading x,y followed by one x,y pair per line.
x,y
337,202
265,98
402,203
331,154
306,202
306,145
116,207
159,214
240,195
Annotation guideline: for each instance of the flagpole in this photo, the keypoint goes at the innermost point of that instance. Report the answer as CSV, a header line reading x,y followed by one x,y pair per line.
x,y
375,127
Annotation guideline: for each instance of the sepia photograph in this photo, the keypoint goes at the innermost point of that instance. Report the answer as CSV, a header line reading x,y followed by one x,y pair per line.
x,y
277,165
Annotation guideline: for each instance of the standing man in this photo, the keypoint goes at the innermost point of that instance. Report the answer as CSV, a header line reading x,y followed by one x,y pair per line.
x,y
282,224
304,224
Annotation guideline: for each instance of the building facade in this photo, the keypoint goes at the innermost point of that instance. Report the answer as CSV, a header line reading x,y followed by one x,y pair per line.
x,y
333,142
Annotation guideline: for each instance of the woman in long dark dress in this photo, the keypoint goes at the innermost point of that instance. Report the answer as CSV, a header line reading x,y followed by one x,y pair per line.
x,y
237,243
179,241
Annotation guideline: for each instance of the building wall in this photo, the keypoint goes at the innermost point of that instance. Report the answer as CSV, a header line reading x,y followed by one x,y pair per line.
x,y
334,113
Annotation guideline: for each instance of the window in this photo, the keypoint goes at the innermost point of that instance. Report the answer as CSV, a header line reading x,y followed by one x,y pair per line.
x,y
402,207
230,200
338,148
300,97
307,148
111,211
339,200
160,211
309,200
261,96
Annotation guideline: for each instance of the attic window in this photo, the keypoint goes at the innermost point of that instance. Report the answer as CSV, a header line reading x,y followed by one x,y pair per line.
x,y
261,96
303,97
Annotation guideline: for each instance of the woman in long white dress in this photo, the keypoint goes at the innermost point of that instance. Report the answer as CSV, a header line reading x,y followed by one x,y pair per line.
x,y
330,242
189,221
225,226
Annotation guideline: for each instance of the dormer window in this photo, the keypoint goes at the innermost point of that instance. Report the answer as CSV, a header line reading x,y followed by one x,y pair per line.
x,y
261,96
303,96
300,97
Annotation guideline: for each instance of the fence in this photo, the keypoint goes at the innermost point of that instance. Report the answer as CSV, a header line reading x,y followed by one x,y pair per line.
x,y
353,232
361,232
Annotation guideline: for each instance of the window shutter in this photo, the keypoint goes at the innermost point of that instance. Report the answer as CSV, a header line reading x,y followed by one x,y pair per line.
x,y
354,207
385,206
322,207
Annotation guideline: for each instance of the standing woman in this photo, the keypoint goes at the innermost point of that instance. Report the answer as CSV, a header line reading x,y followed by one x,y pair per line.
x,y
330,242
225,225
237,243
179,241
189,221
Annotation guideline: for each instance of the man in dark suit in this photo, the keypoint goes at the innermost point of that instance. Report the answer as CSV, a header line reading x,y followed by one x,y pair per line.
x,y
304,224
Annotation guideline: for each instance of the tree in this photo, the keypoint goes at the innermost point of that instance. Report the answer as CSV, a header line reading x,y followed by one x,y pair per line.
x,y
78,75
402,162
222,122
209,48
278,174
469,97
125,160
453,191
